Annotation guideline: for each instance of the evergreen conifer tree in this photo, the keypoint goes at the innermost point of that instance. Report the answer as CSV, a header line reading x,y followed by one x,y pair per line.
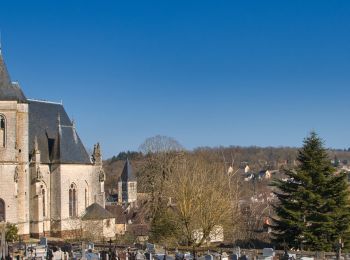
x,y
313,210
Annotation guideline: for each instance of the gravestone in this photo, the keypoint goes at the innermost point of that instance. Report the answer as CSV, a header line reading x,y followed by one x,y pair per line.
x,y
224,256
140,256
208,257
148,255
43,241
237,251
234,257
92,256
91,246
268,252
150,247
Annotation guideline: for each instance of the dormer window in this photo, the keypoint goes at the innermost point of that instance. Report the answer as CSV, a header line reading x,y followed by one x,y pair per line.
x,y
2,131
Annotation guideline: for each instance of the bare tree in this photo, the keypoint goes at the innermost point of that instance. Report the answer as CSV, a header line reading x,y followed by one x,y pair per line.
x,y
160,144
192,197
201,199
161,156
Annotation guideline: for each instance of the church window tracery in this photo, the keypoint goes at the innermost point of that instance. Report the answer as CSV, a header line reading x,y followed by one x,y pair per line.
x,y
44,202
2,210
2,131
72,201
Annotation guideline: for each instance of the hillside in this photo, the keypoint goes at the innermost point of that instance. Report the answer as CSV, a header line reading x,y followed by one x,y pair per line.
x,y
258,158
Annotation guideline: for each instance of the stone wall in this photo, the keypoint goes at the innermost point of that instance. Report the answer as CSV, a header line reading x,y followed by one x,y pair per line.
x,y
14,172
84,177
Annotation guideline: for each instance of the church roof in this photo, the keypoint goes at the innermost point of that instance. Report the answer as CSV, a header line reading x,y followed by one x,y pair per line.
x,y
9,91
96,212
127,174
57,140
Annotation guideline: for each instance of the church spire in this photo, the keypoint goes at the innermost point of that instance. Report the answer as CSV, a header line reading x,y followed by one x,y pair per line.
x,y
8,90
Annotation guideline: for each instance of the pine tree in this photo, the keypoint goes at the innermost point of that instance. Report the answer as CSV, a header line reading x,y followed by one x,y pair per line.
x,y
313,210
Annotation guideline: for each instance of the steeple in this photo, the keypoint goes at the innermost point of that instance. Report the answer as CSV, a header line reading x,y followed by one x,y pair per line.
x,y
127,174
9,91
127,185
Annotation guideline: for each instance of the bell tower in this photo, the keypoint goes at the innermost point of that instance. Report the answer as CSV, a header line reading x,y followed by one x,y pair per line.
x,y
127,185
14,154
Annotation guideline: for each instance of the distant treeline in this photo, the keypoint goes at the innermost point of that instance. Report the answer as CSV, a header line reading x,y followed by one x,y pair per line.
x,y
258,158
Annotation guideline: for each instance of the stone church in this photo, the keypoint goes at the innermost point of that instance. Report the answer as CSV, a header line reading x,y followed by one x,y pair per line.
x,y
47,178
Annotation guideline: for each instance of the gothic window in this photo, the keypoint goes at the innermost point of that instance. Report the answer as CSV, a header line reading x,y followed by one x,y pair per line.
x,y
72,201
2,211
2,131
44,202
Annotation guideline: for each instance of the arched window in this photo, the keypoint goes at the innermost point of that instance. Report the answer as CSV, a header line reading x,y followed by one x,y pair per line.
x,y
2,131
2,211
72,201
44,202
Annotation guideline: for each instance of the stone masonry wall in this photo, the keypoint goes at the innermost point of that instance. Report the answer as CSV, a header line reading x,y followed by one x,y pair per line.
x,y
84,177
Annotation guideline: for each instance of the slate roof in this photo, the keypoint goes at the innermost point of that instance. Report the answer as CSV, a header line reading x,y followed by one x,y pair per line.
x,y
124,214
9,91
57,142
96,212
118,212
127,174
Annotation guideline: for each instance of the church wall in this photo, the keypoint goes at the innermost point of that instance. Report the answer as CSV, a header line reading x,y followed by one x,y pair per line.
x,y
8,192
40,224
9,110
83,177
14,162
23,168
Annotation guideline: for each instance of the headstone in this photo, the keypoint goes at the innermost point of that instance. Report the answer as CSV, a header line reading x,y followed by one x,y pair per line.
x,y
43,241
159,256
150,247
148,256
83,253
91,246
244,257
234,257
208,257
140,256
306,258
224,256
92,256
268,252
237,251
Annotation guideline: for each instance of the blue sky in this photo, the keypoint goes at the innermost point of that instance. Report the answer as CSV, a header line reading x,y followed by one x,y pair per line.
x,y
207,73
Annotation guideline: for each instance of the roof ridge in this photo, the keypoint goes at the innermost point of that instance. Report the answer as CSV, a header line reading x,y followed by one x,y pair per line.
x,y
45,101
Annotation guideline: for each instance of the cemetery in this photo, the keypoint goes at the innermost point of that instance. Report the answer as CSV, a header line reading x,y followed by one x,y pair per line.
x,y
60,250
